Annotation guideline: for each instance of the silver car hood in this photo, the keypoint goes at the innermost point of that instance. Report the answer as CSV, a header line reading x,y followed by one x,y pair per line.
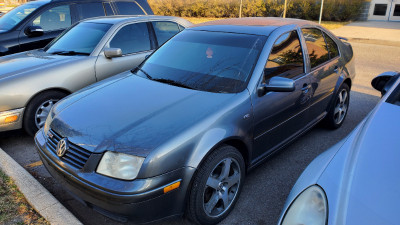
x,y
20,63
362,180
132,115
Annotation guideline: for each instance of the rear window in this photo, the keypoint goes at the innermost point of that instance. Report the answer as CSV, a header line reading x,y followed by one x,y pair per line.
x,y
89,10
129,8
317,49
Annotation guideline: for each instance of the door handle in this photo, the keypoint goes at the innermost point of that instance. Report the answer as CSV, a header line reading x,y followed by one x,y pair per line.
x,y
336,70
305,88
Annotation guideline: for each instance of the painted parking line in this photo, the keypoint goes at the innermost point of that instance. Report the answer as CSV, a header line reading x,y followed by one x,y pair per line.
x,y
35,164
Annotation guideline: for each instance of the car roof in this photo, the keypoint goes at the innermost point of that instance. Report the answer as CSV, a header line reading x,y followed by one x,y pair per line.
x,y
128,18
251,25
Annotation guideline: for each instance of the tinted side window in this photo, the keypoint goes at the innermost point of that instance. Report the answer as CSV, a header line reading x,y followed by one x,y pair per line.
x,y
286,58
88,10
316,46
54,19
129,8
107,7
164,31
132,38
332,47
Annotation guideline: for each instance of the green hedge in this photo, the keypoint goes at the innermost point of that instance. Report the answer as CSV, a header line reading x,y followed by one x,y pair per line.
x,y
334,10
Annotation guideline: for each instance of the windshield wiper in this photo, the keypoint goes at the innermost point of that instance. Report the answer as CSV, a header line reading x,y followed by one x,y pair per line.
x,y
69,53
145,73
172,82
161,80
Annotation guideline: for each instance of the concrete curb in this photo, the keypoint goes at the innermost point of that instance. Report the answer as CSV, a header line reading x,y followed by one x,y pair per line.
x,y
375,41
36,195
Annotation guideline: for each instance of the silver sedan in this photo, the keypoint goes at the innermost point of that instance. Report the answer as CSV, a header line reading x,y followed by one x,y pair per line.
x,y
90,51
355,181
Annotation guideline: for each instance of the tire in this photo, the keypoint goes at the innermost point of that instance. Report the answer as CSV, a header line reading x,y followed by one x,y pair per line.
x,y
339,108
210,182
38,108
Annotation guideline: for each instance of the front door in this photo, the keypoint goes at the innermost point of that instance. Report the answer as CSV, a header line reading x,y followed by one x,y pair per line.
x,y
387,10
135,43
53,21
280,116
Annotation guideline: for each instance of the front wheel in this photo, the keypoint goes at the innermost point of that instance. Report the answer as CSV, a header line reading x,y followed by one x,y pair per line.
x,y
38,109
216,186
338,111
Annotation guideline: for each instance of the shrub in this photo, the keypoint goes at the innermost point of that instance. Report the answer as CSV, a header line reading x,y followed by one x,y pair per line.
x,y
335,10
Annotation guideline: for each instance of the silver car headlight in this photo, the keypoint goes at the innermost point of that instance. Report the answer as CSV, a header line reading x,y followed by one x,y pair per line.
x,y
309,208
119,165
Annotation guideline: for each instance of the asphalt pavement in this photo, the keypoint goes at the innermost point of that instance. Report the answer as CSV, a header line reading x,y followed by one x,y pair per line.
x,y
266,187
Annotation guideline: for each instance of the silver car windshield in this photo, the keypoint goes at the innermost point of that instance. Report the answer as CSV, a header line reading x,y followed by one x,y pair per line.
x,y
206,61
78,40
12,18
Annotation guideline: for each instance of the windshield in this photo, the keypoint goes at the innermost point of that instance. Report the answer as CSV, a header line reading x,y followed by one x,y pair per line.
x,y
12,18
205,61
80,39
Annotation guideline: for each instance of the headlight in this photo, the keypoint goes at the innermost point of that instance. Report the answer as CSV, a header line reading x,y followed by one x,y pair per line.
x,y
119,165
309,208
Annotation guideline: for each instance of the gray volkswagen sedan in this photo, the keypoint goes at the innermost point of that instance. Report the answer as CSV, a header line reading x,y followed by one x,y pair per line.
x,y
355,181
178,133
90,51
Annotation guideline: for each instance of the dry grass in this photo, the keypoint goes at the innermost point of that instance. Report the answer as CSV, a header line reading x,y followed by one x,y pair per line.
x,y
330,25
13,207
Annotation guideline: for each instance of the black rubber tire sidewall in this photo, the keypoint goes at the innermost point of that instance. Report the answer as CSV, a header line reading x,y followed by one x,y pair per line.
x,y
29,114
195,210
329,120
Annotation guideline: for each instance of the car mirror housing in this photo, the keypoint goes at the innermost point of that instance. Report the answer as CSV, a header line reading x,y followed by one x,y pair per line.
x,y
112,52
277,84
34,31
384,81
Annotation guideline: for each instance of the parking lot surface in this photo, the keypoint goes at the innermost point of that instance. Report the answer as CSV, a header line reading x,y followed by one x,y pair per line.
x,y
266,187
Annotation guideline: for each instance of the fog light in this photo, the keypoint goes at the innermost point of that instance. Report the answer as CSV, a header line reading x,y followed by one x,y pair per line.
x,y
10,119
172,187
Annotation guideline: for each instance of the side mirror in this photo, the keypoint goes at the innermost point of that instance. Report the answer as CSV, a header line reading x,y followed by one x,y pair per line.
x,y
34,31
112,52
384,81
277,84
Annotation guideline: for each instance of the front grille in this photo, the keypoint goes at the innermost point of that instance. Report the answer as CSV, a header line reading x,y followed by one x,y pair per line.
x,y
75,155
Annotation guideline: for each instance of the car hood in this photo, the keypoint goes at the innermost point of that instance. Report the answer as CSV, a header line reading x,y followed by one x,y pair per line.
x,y
19,63
2,31
362,181
133,115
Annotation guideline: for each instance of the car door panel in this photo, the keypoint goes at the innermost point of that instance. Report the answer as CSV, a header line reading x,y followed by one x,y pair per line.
x,y
324,69
279,115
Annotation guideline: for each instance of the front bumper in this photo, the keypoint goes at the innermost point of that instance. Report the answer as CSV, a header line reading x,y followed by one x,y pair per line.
x,y
140,200
5,126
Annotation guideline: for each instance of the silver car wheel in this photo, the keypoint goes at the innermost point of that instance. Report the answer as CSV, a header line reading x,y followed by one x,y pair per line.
x,y
341,106
43,111
222,187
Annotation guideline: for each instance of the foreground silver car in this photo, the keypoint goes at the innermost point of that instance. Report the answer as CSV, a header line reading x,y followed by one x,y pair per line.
x,y
355,181
90,51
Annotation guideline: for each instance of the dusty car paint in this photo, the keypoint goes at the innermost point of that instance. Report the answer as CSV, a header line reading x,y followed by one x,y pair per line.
x,y
176,128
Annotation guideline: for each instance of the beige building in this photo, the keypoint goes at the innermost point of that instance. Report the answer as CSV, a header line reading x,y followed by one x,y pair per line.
x,y
386,10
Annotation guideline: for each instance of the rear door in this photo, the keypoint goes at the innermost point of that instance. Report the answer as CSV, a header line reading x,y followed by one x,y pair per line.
x,y
323,54
280,116
129,8
135,42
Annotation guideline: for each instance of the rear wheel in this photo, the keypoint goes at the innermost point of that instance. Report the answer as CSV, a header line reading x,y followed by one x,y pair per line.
x,y
338,111
216,186
38,109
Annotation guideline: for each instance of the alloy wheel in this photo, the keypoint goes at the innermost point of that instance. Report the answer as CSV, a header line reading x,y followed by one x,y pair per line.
x,y
222,187
43,111
341,106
